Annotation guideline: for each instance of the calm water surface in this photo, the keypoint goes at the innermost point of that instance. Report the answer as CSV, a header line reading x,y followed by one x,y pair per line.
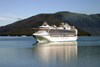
x,y
25,52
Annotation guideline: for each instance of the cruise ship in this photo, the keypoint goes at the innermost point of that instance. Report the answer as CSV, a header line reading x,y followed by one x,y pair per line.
x,y
62,33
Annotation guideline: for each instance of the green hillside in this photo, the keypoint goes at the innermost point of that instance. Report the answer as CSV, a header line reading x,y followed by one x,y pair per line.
x,y
24,27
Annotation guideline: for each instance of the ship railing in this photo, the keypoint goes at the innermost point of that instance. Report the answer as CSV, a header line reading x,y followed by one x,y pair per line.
x,y
41,29
48,29
72,27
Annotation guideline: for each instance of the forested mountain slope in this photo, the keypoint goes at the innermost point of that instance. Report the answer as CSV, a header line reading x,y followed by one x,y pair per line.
x,y
88,23
84,23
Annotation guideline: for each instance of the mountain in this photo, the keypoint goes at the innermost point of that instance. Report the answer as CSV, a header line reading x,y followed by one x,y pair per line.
x,y
86,24
24,27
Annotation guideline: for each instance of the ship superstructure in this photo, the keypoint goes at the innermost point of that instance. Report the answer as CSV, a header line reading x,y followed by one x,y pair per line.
x,y
64,32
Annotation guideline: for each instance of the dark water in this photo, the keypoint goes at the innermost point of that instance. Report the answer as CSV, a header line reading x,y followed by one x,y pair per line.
x,y
25,52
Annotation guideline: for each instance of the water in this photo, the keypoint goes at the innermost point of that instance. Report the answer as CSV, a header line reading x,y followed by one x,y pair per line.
x,y
25,52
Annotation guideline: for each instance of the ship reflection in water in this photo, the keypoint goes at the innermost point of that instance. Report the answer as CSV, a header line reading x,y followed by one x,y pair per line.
x,y
59,53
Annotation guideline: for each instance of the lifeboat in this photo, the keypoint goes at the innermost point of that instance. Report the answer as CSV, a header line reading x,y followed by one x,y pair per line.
x,y
69,35
54,35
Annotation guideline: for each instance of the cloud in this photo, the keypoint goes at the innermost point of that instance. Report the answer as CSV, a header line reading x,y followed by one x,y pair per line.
x,y
1,18
10,15
13,16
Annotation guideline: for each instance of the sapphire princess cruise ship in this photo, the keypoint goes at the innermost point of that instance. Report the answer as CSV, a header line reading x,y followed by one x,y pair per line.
x,y
64,32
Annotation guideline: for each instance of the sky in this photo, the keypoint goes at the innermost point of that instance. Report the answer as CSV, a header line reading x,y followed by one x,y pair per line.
x,y
14,10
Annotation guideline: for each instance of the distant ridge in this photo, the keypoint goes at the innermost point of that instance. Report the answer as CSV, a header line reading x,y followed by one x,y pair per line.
x,y
86,24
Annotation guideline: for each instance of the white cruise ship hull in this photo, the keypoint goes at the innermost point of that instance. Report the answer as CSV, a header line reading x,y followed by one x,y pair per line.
x,y
47,38
64,32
